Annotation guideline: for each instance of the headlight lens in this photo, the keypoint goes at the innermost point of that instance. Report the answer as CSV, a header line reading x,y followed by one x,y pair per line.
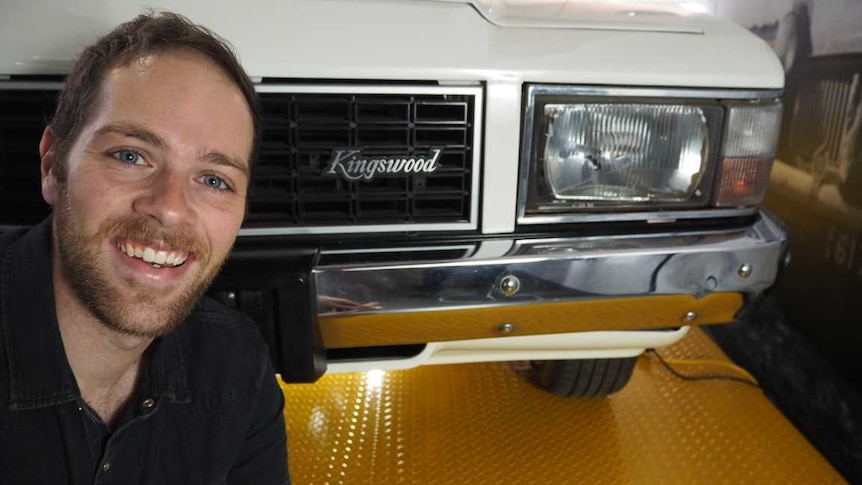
x,y
624,153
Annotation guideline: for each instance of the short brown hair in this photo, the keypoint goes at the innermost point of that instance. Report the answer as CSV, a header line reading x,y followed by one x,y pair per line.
x,y
149,33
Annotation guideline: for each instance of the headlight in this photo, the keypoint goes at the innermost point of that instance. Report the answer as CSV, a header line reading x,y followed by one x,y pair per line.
x,y
626,151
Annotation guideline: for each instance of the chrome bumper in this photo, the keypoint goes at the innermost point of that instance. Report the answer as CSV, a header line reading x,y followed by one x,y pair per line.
x,y
520,272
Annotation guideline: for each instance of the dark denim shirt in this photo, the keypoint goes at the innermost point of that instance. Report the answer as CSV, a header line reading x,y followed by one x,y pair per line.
x,y
208,409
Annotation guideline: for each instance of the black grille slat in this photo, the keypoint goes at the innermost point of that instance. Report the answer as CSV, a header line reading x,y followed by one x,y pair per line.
x,y
323,110
382,112
378,137
299,133
452,137
442,113
322,136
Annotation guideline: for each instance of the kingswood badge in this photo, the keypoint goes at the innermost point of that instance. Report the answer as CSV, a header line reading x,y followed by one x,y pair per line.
x,y
350,164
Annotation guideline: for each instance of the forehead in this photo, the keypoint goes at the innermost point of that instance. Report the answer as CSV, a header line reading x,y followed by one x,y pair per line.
x,y
183,97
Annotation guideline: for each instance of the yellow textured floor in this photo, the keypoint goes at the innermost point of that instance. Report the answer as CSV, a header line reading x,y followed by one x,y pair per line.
x,y
485,424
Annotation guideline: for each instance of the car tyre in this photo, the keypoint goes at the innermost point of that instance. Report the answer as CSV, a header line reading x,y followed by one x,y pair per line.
x,y
583,377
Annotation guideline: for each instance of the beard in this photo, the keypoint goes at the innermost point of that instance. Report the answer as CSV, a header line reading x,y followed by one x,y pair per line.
x,y
126,305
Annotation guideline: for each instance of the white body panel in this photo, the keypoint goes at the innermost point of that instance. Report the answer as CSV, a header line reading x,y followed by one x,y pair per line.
x,y
408,40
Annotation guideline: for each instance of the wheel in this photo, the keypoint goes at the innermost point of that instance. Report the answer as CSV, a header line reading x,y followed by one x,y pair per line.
x,y
583,377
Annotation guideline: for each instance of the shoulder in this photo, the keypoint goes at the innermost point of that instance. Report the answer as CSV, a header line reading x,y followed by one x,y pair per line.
x,y
224,354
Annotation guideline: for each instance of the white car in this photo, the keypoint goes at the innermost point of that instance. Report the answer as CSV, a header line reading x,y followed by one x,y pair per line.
x,y
457,181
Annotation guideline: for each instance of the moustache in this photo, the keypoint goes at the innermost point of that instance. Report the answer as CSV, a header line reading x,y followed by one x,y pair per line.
x,y
147,233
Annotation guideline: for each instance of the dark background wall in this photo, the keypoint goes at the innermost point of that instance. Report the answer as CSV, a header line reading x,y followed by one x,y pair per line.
x,y
816,183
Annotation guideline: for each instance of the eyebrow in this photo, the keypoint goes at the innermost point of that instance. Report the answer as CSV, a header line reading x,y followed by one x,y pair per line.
x,y
150,138
132,131
223,160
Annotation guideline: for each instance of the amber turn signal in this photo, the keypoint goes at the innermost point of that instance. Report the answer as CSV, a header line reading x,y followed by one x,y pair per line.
x,y
742,181
747,154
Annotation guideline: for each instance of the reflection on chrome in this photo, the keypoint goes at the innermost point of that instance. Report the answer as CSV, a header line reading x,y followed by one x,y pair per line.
x,y
330,304
556,270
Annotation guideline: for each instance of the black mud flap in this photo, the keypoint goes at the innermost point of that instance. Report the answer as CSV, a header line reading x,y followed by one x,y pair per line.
x,y
276,289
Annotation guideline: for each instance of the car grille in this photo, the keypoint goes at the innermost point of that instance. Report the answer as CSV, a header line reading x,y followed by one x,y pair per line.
x,y
290,193
23,116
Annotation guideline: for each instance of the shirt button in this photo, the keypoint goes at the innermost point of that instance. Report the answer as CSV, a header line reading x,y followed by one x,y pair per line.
x,y
148,403
106,466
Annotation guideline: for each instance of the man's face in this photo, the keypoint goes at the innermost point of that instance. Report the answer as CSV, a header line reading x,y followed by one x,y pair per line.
x,y
154,193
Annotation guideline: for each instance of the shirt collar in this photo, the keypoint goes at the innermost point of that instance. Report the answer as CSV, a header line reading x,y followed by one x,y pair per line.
x,y
39,372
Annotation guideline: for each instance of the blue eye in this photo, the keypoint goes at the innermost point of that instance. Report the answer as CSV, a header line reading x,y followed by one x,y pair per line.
x,y
214,182
129,157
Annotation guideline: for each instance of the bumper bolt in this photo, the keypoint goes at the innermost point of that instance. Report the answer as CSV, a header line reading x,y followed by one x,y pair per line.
x,y
231,296
510,285
689,317
745,270
711,283
506,328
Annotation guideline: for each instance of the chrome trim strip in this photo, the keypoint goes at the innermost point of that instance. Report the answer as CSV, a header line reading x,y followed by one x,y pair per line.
x,y
526,149
364,229
467,248
554,89
534,90
655,216
494,248
554,270
478,167
31,85
367,89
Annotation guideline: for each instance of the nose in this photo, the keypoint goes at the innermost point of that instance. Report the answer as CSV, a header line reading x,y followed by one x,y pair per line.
x,y
166,200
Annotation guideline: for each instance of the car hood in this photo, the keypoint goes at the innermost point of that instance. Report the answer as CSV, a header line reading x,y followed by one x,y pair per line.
x,y
655,15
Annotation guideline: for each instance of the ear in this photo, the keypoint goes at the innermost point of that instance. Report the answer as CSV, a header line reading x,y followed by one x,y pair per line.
x,y
48,166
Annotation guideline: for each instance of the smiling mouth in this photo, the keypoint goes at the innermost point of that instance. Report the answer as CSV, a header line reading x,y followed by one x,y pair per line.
x,y
157,258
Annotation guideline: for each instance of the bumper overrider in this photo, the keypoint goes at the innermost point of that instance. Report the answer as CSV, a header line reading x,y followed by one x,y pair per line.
x,y
520,299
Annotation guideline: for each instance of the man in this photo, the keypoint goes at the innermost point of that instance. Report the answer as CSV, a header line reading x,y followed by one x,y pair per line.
x,y
112,367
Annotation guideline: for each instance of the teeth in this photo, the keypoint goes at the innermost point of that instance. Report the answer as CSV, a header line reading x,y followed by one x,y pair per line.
x,y
156,258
